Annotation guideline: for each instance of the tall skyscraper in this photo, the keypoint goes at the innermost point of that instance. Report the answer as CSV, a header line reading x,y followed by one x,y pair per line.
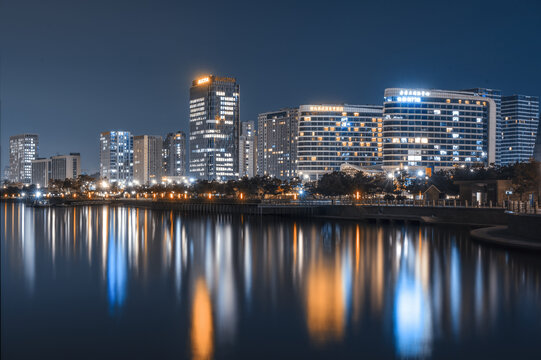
x,y
520,115
537,148
247,150
495,95
437,129
214,128
147,159
277,143
22,150
116,156
332,135
174,154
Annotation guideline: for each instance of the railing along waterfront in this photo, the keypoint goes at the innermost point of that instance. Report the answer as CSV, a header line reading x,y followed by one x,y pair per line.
x,y
522,207
382,202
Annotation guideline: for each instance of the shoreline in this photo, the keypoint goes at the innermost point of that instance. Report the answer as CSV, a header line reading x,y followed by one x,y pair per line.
x,y
493,226
426,214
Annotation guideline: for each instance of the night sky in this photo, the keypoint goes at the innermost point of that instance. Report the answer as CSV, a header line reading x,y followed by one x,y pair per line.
x,y
73,68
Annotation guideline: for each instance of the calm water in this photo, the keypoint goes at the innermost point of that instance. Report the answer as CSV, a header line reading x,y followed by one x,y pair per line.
x,y
105,282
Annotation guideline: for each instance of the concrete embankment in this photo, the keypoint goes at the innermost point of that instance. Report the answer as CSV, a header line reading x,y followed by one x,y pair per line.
x,y
459,215
425,214
523,232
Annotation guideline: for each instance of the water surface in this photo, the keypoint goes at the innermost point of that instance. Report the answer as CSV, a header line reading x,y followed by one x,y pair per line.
x,y
115,282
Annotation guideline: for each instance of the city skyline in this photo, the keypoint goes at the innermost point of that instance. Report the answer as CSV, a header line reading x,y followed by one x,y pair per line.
x,y
532,114
80,87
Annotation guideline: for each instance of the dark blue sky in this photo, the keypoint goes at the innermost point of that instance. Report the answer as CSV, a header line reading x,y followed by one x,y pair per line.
x,y
70,69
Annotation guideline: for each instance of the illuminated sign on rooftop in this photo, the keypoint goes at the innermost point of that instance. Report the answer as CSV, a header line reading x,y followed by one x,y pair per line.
x,y
203,80
414,93
326,108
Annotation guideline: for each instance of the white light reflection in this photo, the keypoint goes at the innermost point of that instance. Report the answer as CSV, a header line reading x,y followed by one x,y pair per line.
x,y
178,257
412,317
29,248
117,269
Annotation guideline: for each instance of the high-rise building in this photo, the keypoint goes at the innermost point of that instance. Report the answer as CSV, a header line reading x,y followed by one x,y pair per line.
x,y
22,150
437,129
332,135
277,143
7,173
58,167
65,166
41,172
247,150
495,95
214,128
520,115
147,159
116,156
537,149
174,154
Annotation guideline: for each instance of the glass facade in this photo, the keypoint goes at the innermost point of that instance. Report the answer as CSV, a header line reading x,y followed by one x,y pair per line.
x,y
520,115
116,156
437,129
214,128
332,135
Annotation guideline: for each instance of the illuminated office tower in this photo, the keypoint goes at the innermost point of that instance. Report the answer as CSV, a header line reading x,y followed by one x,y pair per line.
x,y
214,128
22,150
520,115
332,135
495,95
247,150
537,148
174,154
116,156
277,133
437,129
147,159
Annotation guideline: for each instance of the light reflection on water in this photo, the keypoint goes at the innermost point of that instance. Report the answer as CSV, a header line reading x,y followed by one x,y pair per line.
x,y
226,283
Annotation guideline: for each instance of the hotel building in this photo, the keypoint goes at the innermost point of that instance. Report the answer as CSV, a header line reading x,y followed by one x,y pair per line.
x,y
22,150
437,129
116,156
277,134
247,150
147,159
495,95
214,128
332,135
520,115
174,154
